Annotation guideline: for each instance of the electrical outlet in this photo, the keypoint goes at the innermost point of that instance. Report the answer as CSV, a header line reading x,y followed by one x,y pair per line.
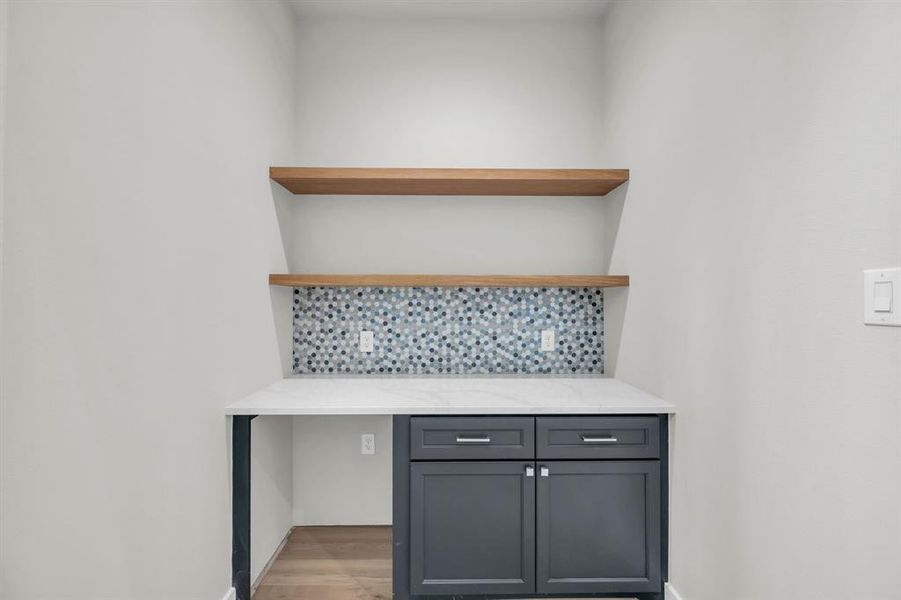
x,y
367,341
548,340
367,443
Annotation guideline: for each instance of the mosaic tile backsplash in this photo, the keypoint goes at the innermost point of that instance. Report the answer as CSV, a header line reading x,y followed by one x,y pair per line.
x,y
448,330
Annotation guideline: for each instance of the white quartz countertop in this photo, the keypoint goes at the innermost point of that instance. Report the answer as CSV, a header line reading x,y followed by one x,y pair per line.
x,y
449,396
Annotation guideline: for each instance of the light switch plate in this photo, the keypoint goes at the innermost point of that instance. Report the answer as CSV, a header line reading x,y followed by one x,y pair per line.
x,y
882,297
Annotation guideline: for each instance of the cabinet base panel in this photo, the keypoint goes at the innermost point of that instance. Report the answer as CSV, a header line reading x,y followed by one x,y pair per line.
x,y
621,595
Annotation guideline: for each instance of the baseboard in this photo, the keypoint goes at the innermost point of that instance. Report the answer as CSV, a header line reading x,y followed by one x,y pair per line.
x,y
231,594
281,545
342,523
670,593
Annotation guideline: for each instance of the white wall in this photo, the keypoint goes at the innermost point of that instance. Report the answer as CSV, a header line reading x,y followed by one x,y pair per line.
x,y
328,448
4,39
408,89
763,140
271,493
455,85
139,230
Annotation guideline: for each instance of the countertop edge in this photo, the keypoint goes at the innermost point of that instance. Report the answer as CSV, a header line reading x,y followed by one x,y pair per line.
x,y
605,396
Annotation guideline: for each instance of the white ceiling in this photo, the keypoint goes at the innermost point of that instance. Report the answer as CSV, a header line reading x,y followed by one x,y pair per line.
x,y
544,9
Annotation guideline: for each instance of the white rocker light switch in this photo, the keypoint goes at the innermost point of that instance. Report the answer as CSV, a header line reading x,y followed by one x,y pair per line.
x,y
882,296
880,305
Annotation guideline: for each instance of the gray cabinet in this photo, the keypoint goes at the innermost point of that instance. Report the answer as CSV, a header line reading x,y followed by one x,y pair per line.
x,y
519,506
472,527
598,527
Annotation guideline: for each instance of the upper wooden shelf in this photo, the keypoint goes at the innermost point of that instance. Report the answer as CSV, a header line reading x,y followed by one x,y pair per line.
x,y
444,182
311,280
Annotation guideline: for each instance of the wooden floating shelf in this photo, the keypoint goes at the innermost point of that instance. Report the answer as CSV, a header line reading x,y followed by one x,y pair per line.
x,y
538,281
454,182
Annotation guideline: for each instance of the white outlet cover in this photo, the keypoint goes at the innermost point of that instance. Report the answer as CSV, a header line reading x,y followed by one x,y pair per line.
x,y
548,340
367,341
882,297
367,443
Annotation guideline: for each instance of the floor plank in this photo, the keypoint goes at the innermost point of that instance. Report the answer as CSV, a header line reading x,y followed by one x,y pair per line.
x,y
331,563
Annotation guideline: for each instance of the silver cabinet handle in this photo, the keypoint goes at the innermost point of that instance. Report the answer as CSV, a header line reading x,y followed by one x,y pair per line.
x,y
606,439
545,471
530,471
482,439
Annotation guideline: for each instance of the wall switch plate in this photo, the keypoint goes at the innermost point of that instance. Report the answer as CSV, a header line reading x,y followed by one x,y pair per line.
x,y
367,341
548,340
367,443
882,297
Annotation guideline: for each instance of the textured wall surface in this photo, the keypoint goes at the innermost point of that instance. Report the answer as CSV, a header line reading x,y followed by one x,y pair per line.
x,y
448,330
160,120
763,139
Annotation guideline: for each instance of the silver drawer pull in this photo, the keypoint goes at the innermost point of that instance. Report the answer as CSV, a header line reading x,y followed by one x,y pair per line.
x,y
530,471
482,439
606,439
545,471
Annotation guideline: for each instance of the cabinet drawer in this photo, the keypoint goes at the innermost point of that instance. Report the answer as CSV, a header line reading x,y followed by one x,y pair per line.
x,y
456,438
598,437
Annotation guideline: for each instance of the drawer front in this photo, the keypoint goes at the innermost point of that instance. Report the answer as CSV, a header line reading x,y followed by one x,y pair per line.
x,y
461,438
598,437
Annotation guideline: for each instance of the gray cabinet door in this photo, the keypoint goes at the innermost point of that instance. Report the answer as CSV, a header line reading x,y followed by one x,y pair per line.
x,y
598,527
472,528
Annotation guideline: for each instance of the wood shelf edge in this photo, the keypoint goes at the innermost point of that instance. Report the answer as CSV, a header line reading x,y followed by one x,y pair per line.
x,y
335,280
431,181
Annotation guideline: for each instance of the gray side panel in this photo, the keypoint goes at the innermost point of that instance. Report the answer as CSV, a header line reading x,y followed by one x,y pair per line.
x,y
598,437
472,528
598,527
664,496
472,438
400,531
241,430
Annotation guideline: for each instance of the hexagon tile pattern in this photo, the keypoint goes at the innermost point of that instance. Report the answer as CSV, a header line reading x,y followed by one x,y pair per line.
x,y
448,330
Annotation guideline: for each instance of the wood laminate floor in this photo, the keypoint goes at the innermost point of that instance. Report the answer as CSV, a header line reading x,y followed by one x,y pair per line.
x,y
331,563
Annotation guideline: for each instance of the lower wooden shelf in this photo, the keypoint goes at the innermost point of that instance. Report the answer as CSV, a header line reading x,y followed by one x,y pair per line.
x,y
332,280
454,182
